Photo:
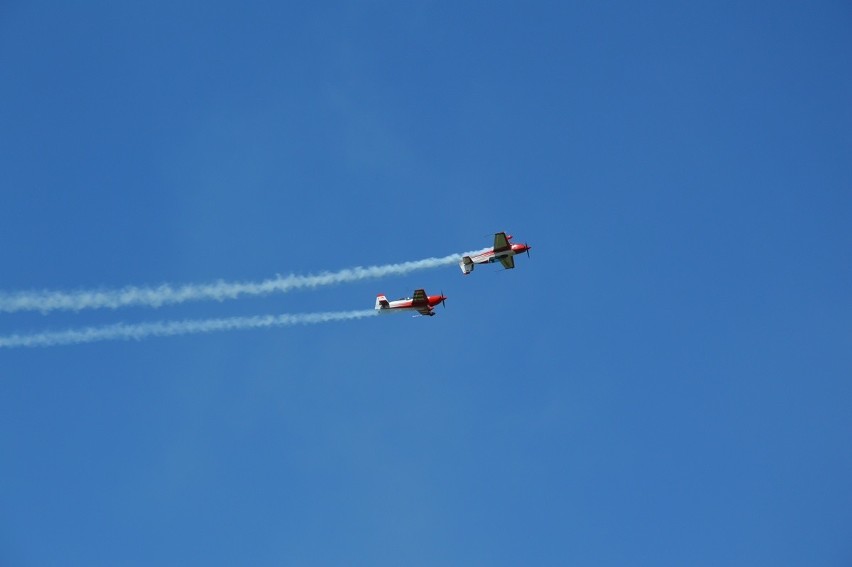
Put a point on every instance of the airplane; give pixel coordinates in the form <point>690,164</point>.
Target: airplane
<point>502,252</point>
<point>421,303</point>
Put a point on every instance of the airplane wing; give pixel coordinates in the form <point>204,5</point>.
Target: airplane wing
<point>508,262</point>
<point>425,310</point>
<point>419,298</point>
<point>500,242</point>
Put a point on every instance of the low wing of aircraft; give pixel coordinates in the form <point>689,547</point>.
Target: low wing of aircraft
<point>420,302</point>
<point>501,242</point>
<point>503,251</point>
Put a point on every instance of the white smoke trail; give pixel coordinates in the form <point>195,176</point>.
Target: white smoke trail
<point>46,301</point>
<point>139,331</point>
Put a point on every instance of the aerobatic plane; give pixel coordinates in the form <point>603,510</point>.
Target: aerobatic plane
<point>502,251</point>
<point>422,303</point>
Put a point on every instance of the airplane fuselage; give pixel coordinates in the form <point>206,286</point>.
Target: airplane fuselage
<point>502,251</point>
<point>399,309</point>
<point>488,256</point>
<point>423,305</point>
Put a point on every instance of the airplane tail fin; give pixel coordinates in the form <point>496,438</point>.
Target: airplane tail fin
<point>466,265</point>
<point>382,302</point>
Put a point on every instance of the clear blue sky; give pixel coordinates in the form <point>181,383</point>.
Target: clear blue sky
<point>666,381</point>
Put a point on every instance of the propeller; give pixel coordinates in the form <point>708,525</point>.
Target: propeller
<point>528,249</point>
<point>443,299</point>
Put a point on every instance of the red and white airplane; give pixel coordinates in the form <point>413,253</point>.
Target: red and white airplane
<point>502,252</point>
<point>422,303</point>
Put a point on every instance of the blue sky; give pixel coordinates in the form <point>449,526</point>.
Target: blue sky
<point>666,381</point>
